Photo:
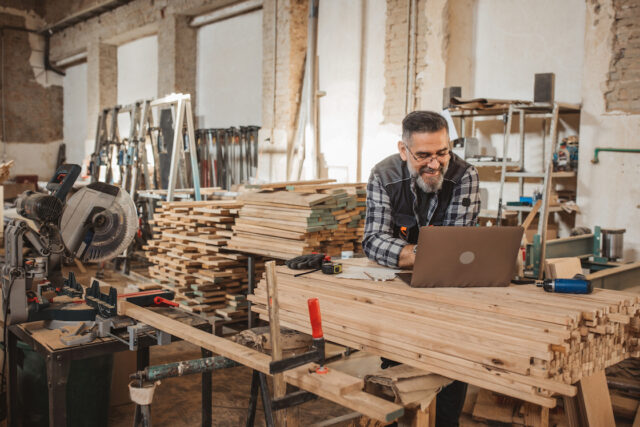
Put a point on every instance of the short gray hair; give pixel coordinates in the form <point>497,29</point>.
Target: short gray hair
<point>422,121</point>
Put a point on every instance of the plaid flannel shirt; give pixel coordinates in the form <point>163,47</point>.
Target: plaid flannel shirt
<point>380,245</point>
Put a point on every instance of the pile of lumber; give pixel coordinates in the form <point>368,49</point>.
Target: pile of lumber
<point>5,170</point>
<point>517,340</point>
<point>301,219</point>
<point>188,256</point>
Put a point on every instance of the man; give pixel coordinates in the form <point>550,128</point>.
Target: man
<point>424,184</point>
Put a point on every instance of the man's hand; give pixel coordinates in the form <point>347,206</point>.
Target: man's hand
<point>407,258</point>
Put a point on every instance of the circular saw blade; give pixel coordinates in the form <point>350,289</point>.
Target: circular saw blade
<point>112,238</point>
<point>113,232</point>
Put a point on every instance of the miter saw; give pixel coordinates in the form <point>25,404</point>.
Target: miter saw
<point>96,224</point>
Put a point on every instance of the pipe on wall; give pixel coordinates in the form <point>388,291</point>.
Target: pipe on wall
<point>362,86</point>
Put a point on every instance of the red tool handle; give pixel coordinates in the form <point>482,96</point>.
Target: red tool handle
<point>160,300</point>
<point>314,316</point>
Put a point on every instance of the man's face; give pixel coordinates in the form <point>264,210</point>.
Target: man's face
<point>427,156</point>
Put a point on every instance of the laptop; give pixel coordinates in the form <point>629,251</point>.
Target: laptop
<point>465,257</point>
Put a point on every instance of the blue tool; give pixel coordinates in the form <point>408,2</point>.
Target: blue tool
<point>577,285</point>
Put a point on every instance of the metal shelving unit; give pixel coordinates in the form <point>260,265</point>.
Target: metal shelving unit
<point>550,111</point>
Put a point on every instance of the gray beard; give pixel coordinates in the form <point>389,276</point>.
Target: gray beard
<point>431,185</point>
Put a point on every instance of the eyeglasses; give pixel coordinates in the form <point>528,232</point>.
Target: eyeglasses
<point>440,156</point>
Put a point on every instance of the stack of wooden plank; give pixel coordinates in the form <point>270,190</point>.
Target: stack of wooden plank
<point>302,219</point>
<point>189,257</point>
<point>517,340</point>
<point>349,215</point>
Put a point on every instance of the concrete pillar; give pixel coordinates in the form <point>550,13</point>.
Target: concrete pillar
<point>177,52</point>
<point>284,24</point>
<point>432,44</point>
<point>102,82</point>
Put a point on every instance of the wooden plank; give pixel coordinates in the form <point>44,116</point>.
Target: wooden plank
<point>595,402</point>
<point>279,386</point>
<point>334,332</point>
<point>430,334</point>
<point>614,270</point>
<point>221,346</point>
<point>285,198</point>
<point>562,268</point>
<point>487,380</point>
<point>636,420</point>
<point>467,297</point>
<point>284,184</point>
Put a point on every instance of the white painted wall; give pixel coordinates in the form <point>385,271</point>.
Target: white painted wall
<point>380,139</point>
<point>339,70</point>
<point>33,158</point>
<point>339,67</point>
<point>137,75</point>
<point>495,49</point>
<point>516,39</point>
<point>229,73</point>
<point>608,192</point>
<point>75,114</point>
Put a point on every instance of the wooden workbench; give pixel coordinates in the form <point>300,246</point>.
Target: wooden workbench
<point>59,356</point>
<point>519,341</point>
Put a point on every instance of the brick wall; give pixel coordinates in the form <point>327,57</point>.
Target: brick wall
<point>397,57</point>
<point>395,60</point>
<point>32,98</point>
<point>623,86</point>
<point>126,23</point>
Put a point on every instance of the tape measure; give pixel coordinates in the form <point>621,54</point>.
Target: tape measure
<point>331,268</point>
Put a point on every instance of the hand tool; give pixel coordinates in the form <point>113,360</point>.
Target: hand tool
<point>577,285</point>
<point>317,262</point>
<point>331,268</point>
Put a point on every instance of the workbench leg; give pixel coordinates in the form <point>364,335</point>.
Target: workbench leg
<point>207,395</point>
<point>259,384</point>
<point>544,416</point>
<point>57,375</point>
<point>12,384</point>
<point>142,416</point>
<point>266,400</point>
<point>251,281</point>
<point>415,417</point>
<point>217,328</point>
<point>253,400</point>
<point>432,412</point>
<point>571,411</point>
<point>142,358</point>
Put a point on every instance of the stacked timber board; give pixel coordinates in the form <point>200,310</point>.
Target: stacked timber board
<point>310,218</point>
<point>517,340</point>
<point>189,257</point>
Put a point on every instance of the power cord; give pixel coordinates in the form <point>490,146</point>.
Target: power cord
<point>5,305</point>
